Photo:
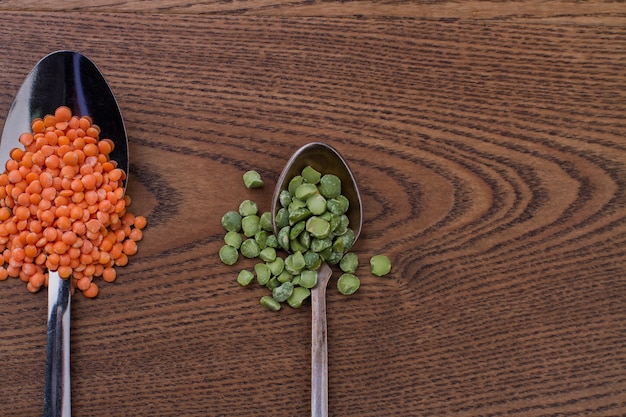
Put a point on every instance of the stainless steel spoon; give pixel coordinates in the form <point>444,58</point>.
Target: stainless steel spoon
<point>326,160</point>
<point>63,78</point>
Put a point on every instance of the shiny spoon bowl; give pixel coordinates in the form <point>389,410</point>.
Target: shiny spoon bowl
<point>326,160</point>
<point>63,78</point>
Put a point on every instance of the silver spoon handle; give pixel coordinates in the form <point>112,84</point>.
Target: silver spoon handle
<point>319,345</point>
<point>57,398</point>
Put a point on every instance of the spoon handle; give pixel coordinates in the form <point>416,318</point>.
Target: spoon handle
<point>57,399</point>
<point>319,345</point>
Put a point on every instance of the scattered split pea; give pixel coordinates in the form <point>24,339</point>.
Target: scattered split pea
<point>313,228</point>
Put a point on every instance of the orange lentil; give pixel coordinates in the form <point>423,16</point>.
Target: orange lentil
<point>74,251</point>
<point>40,141</point>
<point>74,263</point>
<point>18,254</point>
<point>11,227</point>
<point>104,258</point>
<point>38,126</point>
<point>12,165</point>
<point>5,213</point>
<point>52,262</point>
<point>45,178</point>
<point>45,149</point>
<point>90,269</point>
<point>34,186</point>
<point>122,260</point>
<point>114,220</point>
<point>69,238</point>
<point>37,279</point>
<point>52,161</point>
<point>41,259</point>
<point>73,122</point>
<point>93,226</point>
<point>62,211</point>
<point>63,140</point>
<point>27,161</point>
<point>51,138</point>
<point>91,149</point>
<point>65,260</point>
<point>79,228</point>
<point>135,235</point>
<point>31,251</point>
<point>84,123</point>
<point>79,140</point>
<point>69,172</point>
<point>70,158</point>
<point>14,176</point>
<point>83,283</point>
<point>103,217</point>
<point>49,120</point>
<point>59,247</point>
<point>13,271</point>
<point>65,271</point>
<point>116,174</point>
<point>116,250</point>
<point>92,291</point>
<point>76,212</point>
<point>63,208</point>
<point>48,193</point>
<point>15,190</point>
<point>130,247</point>
<point>89,181</point>
<point>21,225</point>
<point>99,269</point>
<point>78,196</point>
<point>56,180</point>
<point>23,200</point>
<point>63,114</point>
<point>26,138</point>
<point>92,132</point>
<point>22,212</point>
<point>64,223</point>
<point>30,238</point>
<point>109,274</point>
<point>105,147</point>
<point>17,154</point>
<point>106,245</point>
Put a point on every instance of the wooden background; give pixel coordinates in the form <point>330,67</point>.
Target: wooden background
<point>488,139</point>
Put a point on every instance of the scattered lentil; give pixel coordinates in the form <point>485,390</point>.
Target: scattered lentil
<point>63,208</point>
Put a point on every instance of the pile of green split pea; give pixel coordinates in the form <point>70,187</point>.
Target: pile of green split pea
<point>313,228</point>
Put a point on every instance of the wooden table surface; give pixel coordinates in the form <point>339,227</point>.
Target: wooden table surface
<point>488,140</point>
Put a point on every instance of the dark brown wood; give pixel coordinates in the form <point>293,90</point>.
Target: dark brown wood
<point>492,162</point>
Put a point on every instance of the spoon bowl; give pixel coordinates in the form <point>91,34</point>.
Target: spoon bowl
<point>63,78</point>
<point>325,159</point>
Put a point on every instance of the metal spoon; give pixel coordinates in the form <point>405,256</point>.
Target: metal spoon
<point>63,78</point>
<point>327,160</point>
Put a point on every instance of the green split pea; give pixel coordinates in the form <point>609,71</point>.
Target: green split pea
<point>313,228</point>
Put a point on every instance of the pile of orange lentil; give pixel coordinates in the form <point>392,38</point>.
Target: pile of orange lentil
<point>63,206</point>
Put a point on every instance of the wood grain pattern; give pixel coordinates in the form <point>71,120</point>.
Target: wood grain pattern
<point>570,11</point>
<point>492,161</point>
